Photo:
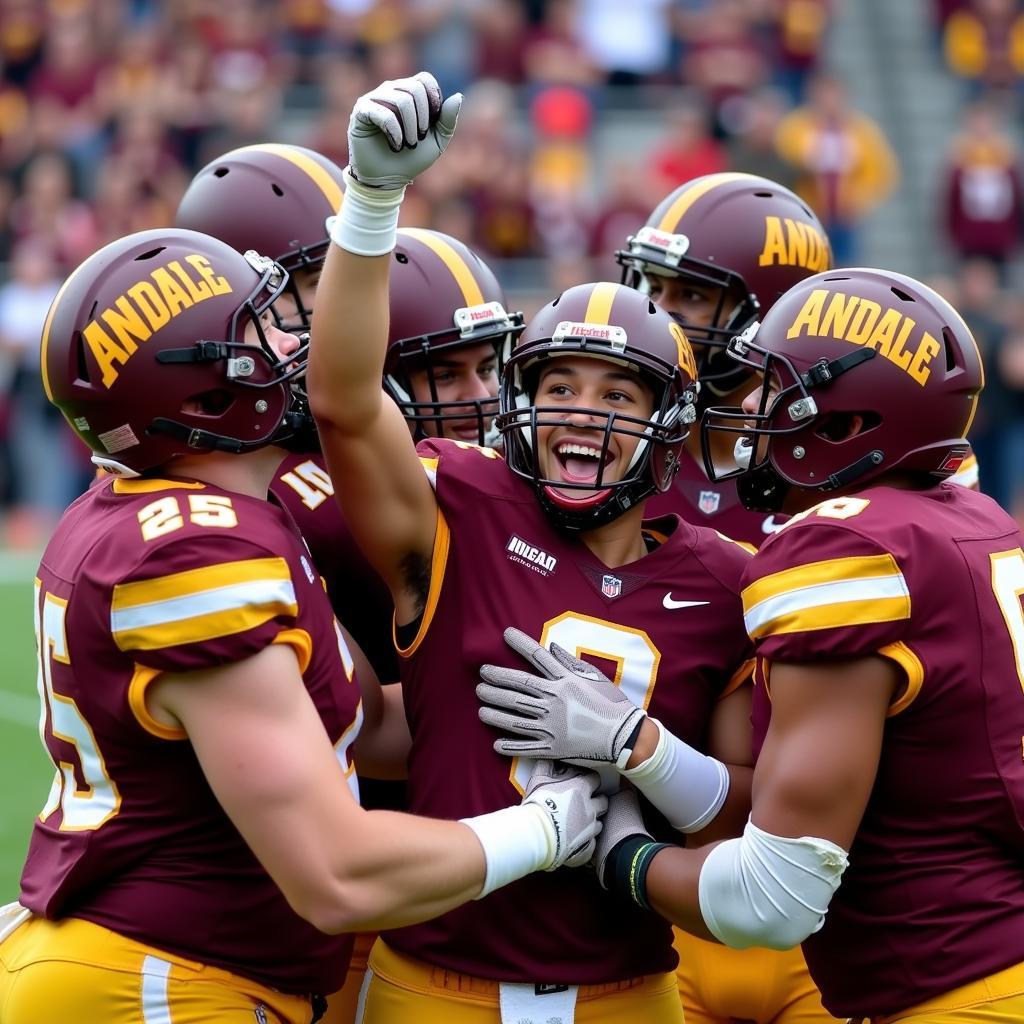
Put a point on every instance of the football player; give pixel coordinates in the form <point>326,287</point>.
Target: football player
<point>202,847</point>
<point>448,333</point>
<point>888,715</point>
<point>716,254</point>
<point>596,401</point>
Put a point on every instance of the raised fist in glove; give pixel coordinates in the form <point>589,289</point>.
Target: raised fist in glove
<point>399,129</point>
<point>566,711</point>
<point>568,796</point>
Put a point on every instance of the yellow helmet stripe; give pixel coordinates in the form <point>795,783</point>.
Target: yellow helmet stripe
<point>690,195</point>
<point>44,344</point>
<point>453,261</point>
<point>599,308</point>
<point>331,189</point>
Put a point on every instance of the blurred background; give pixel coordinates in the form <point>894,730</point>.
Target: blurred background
<point>899,121</point>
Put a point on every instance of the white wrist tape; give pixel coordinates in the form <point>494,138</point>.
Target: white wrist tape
<point>516,842</point>
<point>764,890</point>
<point>367,221</point>
<point>688,787</point>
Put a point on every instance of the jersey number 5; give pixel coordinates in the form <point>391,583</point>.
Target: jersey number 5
<point>86,806</point>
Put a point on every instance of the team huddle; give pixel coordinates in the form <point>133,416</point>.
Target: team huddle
<point>704,676</point>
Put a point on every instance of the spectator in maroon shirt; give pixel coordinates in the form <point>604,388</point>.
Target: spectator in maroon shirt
<point>984,196</point>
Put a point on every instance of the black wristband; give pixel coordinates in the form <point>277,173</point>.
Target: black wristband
<point>625,868</point>
<point>634,735</point>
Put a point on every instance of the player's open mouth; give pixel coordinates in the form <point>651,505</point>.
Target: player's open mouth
<point>579,462</point>
<point>466,431</point>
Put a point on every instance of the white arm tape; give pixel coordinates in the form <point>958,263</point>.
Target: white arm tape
<point>764,890</point>
<point>516,842</point>
<point>688,787</point>
<point>367,221</point>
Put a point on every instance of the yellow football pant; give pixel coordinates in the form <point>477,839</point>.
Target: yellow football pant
<point>341,1007</point>
<point>59,972</point>
<point>718,985</point>
<point>401,990</point>
<point>997,999</point>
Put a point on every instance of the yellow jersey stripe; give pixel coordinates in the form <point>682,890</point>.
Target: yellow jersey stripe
<point>453,261</point>
<point>243,610</point>
<point>141,485</point>
<point>430,468</point>
<point>914,668</point>
<point>599,308</point>
<point>689,196</point>
<point>833,570</point>
<point>196,582</point>
<point>826,595</point>
<point>836,615</point>
<point>331,189</point>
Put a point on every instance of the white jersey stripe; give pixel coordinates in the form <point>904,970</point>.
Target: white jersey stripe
<point>155,1007</point>
<point>822,595</point>
<point>250,594</point>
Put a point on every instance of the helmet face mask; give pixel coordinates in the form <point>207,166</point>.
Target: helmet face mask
<point>867,372</point>
<point>448,316</point>
<point>145,352</point>
<point>636,337</point>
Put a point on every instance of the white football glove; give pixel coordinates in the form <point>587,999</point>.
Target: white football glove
<point>568,796</point>
<point>622,820</point>
<point>399,129</point>
<point>569,712</point>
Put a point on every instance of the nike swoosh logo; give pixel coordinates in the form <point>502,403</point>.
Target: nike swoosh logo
<point>669,603</point>
<point>769,526</point>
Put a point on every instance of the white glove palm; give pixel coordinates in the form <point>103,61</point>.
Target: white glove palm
<point>570,712</point>
<point>399,129</point>
<point>568,796</point>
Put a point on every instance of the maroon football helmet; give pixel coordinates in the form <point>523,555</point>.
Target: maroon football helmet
<point>746,237</point>
<point>143,352</point>
<point>851,345</point>
<point>273,198</point>
<point>611,322</point>
<point>444,299</point>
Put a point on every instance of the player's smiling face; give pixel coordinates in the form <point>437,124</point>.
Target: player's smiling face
<point>588,390</point>
<point>460,375</point>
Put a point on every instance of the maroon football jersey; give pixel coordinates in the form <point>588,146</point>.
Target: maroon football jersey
<point>360,597</point>
<point>934,894</point>
<point>703,503</point>
<point>150,576</point>
<point>668,628</point>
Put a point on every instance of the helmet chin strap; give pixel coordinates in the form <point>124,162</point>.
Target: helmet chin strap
<point>206,441</point>
<point>762,489</point>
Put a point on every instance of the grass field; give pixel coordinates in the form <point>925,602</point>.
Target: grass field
<point>24,767</point>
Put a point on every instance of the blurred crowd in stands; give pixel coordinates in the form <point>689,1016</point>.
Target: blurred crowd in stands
<point>107,108</point>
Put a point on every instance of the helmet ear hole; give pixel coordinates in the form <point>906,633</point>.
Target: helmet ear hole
<point>841,426</point>
<point>208,403</point>
<point>951,350</point>
<point>82,364</point>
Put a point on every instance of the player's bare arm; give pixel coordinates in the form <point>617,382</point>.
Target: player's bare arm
<point>382,748</point>
<point>396,131</point>
<point>342,868</point>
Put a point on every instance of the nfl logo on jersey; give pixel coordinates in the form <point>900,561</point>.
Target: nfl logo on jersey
<point>708,502</point>
<point>611,586</point>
